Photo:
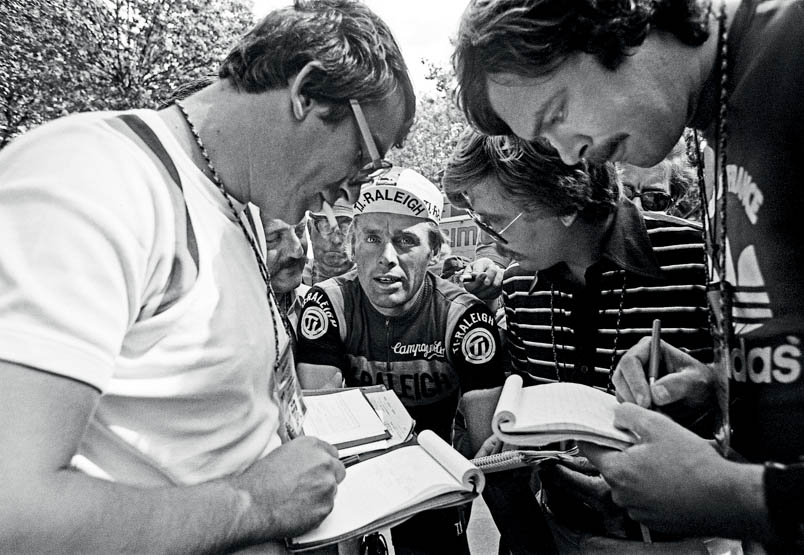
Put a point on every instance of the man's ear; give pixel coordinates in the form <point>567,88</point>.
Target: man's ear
<point>434,254</point>
<point>568,219</point>
<point>302,105</point>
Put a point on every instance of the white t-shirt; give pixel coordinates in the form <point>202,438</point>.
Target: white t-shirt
<point>90,230</point>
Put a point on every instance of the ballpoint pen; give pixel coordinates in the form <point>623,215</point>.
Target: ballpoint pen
<point>653,373</point>
<point>655,352</point>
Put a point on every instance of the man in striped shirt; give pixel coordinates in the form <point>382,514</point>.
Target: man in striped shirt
<point>590,273</point>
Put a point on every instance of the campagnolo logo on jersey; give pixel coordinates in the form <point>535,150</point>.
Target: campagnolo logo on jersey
<point>317,318</point>
<point>778,361</point>
<point>426,350</point>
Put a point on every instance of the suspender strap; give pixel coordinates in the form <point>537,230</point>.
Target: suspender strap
<point>147,135</point>
<point>141,134</point>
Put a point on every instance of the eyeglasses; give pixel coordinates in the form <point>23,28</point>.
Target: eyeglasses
<point>485,226</point>
<point>323,226</point>
<point>378,165</point>
<point>653,200</point>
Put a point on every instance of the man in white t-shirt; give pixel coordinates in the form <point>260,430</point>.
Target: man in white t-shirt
<point>148,394</point>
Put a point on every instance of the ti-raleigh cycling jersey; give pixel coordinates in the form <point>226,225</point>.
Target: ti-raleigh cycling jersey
<point>445,345</point>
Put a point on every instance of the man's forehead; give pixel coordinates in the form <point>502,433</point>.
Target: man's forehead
<point>486,198</point>
<point>644,178</point>
<point>520,101</point>
<point>273,225</point>
<point>377,221</point>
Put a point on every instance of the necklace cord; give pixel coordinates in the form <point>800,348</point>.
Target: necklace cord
<point>715,234</point>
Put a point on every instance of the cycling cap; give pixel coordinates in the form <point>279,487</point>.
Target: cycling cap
<point>342,207</point>
<point>401,191</point>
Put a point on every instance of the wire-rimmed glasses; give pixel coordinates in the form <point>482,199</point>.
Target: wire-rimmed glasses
<point>378,165</point>
<point>487,227</point>
<point>324,227</point>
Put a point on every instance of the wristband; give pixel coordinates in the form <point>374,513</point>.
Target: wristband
<point>784,498</point>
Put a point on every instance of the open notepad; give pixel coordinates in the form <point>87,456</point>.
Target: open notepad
<point>357,420</point>
<point>390,488</point>
<point>542,414</point>
<point>345,418</point>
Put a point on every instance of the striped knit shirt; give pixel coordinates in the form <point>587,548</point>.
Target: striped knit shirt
<point>652,267</point>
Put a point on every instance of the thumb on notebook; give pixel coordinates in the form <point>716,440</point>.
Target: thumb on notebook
<point>638,420</point>
<point>491,446</point>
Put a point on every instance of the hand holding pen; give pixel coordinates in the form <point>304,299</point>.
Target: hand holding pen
<point>653,374</point>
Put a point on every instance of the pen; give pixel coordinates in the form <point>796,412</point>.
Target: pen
<point>655,352</point>
<point>653,373</point>
<point>350,460</point>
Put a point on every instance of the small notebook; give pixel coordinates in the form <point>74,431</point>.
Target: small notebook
<point>345,418</point>
<point>548,413</point>
<point>390,488</point>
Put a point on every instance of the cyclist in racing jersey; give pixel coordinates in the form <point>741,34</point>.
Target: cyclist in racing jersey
<point>392,322</point>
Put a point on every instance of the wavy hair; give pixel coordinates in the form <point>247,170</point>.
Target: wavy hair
<point>532,38</point>
<point>530,174</point>
<point>358,55</point>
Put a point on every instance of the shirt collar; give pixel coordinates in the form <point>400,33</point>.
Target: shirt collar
<point>626,246</point>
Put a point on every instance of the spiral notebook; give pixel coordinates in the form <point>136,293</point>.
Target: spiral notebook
<point>519,458</point>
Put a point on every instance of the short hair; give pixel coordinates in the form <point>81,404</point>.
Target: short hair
<point>531,174</point>
<point>186,89</point>
<point>532,38</point>
<point>358,55</point>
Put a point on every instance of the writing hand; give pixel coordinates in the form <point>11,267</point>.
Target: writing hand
<point>687,380</point>
<point>293,488</point>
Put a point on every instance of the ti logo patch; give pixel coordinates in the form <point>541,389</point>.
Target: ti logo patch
<point>478,346</point>
<point>314,322</point>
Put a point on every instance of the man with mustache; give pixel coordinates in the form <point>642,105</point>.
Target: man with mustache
<point>286,256</point>
<point>392,322</point>
<point>620,81</point>
<point>589,273</point>
<point>148,386</point>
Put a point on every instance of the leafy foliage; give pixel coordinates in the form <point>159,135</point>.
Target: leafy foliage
<point>63,56</point>
<point>438,125</point>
